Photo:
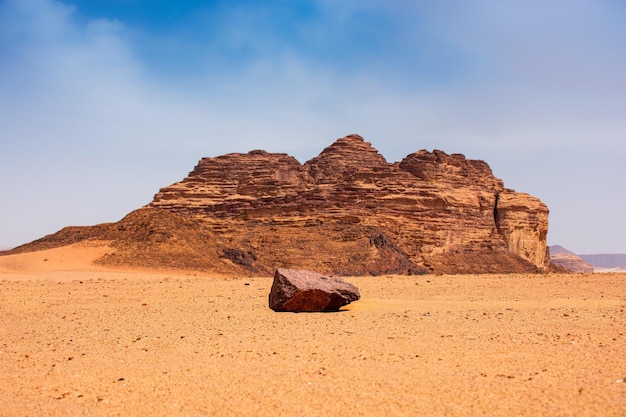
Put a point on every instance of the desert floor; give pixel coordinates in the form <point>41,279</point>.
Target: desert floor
<point>81,340</point>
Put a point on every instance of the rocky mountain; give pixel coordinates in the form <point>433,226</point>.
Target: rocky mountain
<point>569,260</point>
<point>347,211</point>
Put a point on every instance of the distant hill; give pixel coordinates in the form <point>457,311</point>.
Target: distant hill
<point>563,257</point>
<point>614,260</point>
<point>569,260</point>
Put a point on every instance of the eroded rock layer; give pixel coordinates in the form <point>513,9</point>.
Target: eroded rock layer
<point>347,211</point>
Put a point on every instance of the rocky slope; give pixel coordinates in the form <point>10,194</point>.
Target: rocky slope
<point>347,211</point>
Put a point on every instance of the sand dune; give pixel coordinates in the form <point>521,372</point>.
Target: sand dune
<point>77,257</point>
<point>80,340</point>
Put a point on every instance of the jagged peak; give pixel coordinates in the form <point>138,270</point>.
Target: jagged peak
<point>351,141</point>
<point>450,168</point>
<point>353,137</point>
<point>348,154</point>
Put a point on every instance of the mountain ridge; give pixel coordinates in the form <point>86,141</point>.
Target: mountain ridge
<point>346,211</point>
<point>606,260</point>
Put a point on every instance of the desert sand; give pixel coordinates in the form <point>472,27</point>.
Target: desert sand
<point>76,339</point>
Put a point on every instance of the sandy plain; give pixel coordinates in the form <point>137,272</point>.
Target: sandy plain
<point>81,340</point>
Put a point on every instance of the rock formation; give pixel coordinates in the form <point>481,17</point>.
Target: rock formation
<point>307,291</point>
<point>347,212</point>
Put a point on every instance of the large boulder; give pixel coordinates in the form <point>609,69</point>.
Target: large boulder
<point>307,291</point>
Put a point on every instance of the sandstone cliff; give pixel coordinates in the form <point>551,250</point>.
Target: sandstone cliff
<point>347,211</point>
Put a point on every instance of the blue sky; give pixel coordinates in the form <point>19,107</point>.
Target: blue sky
<point>104,102</point>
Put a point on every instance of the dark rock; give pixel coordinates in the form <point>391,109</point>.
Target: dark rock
<point>298,291</point>
<point>239,257</point>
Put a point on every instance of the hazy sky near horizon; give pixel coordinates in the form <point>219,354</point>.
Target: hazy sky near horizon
<point>104,102</point>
